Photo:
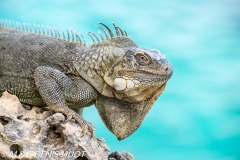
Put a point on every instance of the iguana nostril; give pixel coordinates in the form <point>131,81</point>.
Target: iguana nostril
<point>166,69</point>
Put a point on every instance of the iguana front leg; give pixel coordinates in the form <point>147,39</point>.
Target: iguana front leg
<point>57,90</point>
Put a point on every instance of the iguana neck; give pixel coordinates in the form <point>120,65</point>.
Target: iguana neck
<point>95,62</point>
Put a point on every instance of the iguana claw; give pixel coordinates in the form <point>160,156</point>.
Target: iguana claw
<point>86,126</point>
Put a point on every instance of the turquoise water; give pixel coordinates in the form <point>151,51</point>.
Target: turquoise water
<point>198,116</point>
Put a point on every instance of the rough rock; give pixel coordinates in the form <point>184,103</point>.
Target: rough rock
<point>38,134</point>
<point>120,156</point>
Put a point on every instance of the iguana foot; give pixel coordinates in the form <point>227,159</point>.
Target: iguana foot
<point>86,126</point>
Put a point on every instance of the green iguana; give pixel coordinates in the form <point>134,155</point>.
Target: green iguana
<point>43,67</point>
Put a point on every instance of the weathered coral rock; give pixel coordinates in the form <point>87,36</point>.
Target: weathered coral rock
<point>38,134</point>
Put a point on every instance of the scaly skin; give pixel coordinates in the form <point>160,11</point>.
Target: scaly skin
<point>122,80</point>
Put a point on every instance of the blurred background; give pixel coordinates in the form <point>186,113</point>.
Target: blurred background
<point>198,116</point>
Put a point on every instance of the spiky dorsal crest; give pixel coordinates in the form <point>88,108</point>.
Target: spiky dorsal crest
<point>121,39</point>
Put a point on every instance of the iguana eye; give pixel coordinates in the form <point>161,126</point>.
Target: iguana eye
<point>142,58</point>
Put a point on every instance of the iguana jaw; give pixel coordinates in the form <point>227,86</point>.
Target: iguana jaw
<point>136,86</point>
<point>127,82</point>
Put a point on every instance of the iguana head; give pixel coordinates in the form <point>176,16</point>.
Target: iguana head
<point>139,74</point>
<point>137,78</point>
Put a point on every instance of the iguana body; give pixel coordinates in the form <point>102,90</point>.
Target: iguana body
<point>122,80</point>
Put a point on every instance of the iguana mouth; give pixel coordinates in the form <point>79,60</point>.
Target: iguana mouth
<point>149,72</point>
